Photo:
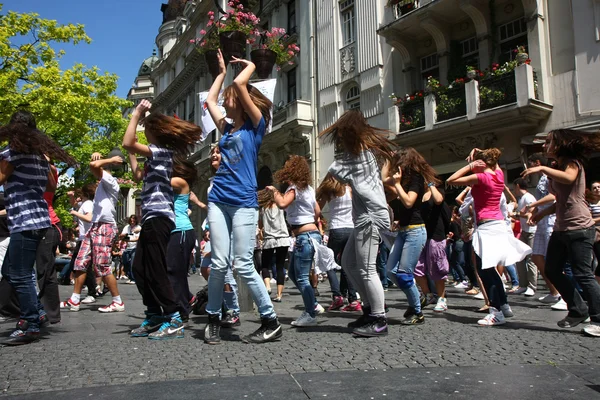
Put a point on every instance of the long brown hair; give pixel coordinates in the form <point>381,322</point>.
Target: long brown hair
<point>173,133</point>
<point>259,100</point>
<point>24,137</point>
<point>330,188</point>
<point>352,133</point>
<point>266,199</point>
<point>489,156</point>
<point>575,145</point>
<point>184,169</point>
<point>295,171</point>
<point>412,162</point>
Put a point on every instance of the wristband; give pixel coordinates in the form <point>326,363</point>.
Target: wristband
<point>430,184</point>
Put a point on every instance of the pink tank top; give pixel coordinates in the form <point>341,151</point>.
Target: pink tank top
<point>486,195</point>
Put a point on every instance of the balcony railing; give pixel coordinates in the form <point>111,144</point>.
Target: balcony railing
<point>451,104</point>
<point>412,114</point>
<point>497,91</point>
<point>403,7</point>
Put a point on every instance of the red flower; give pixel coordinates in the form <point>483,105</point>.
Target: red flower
<point>412,97</point>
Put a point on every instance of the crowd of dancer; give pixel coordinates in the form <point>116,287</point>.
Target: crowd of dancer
<point>389,224</point>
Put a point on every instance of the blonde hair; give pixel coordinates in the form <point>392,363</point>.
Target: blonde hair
<point>489,156</point>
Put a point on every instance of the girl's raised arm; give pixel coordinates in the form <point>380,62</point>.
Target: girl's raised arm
<point>212,100</point>
<point>240,84</point>
<point>130,142</point>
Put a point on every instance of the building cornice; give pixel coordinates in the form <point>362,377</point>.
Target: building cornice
<point>194,66</point>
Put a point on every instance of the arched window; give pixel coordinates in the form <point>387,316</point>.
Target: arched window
<point>353,98</point>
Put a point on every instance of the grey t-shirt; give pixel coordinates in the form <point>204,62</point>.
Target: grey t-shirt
<point>368,198</point>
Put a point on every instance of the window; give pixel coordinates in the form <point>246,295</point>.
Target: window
<point>291,85</point>
<point>353,98</point>
<point>512,35</point>
<point>348,21</point>
<point>470,51</point>
<point>430,67</point>
<point>292,17</point>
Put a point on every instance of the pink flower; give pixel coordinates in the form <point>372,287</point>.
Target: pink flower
<point>291,53</point>
<point>192,40</point>
<point>210,23</point>
<point>202,32</point>
<point>211,14</point>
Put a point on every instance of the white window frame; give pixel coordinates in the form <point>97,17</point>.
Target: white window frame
<point>434,59</point>
<point>347,22</point>
<point>517,23</point>
<point>353,98</point>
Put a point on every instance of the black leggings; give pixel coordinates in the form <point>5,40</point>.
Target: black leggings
<point>267,260</point>
<point>493,284</point>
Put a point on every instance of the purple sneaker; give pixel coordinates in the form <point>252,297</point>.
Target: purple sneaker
<point>375,326</point>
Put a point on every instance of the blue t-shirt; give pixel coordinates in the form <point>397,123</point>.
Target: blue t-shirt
<point>182,220</point>
<point>157,193</point>
<point>24,189</point>
<point>235,181</point>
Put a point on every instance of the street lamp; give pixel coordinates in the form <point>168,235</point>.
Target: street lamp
<point>116,151</point>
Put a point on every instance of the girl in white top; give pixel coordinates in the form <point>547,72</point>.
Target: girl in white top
<point>302,214</point>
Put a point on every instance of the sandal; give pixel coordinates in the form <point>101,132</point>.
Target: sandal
<point>472,291</point>
<point>276,299</point>
<point>484,309</point>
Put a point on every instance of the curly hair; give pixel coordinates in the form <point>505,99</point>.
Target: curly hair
<point>575,145</point>
<point>412,162</point>
<point>184,169</point>
<point>266,199</point>
<point>330,188</point>
<point>489,156</point>
<point>353,134</point>
<point>173,133</point>
<point>295,171</point>
<point>23,137</point>
<point>259,99</point>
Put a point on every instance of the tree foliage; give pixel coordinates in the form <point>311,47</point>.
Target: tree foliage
<point>77,107</point>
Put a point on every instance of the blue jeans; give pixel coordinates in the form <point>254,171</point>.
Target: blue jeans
<point>232,238</point>
<point>127,258</point>
<point>403,259</point>
<point>382,259</point>
<point>230,299</point>
<point>512,272</point>
<point>337,242</point>
<point>17,269</point>
<point>457,260</point>
<point>300,265</point>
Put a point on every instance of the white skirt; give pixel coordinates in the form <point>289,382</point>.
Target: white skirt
<point>495,245</point>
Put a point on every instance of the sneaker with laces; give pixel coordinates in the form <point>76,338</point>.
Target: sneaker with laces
<point>560,306</point>
<point>304,320</point>
<point>336,304</point>
<point>362,319</point>
<point>88,300</point>
<point>172,329</point>
<point>462,285</point>
<point>494,318</point>
<point>269,331</point>
<point>593,329</point>
<point>517,290</point>
<point>549,299</point>
<point>319,309</point>
<point>113,307</point>
<point>529,292</point>
<point>441,305</point>
<point>230,320</point>
<point>20,337</point>
<point>570,322</point>
<point>151,323</point>
<point>413,319</point>
<point>352,307</point>
<point>212,331</point>
<point>507,311</point>
<point>70,305</point>
<point>375,326</point>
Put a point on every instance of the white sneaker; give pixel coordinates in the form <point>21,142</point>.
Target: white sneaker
<point>112,307</point>
<point>529,292</point>
<point>88,300</point>
<point>518,290</point>
<point>318,309</point>
<point>462,285</point>
<point>494,318</point>
<point>441,305</point>
<point>305,320</point>
<point>549,299</point>
<point>273,281</point>
<point>593,329</point>
<point>560,306</point>
<point>84,289</point>
<point>479,296</point>
<point>506,311</point>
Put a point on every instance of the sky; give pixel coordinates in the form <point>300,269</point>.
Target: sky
<point>122,32</point>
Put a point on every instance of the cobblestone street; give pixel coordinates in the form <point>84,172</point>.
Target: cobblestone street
<point>91,349</point>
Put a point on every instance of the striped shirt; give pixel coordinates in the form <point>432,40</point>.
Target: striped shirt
<point>595,210</point>
<point>24,189</point>
<point>157,193</point>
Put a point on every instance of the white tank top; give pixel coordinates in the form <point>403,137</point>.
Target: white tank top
<point>340,211</point>
<point>302,209</point>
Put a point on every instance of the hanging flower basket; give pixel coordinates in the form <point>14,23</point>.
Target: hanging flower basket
<point>233,44</point>
<point>212,61</point>
<point>264,59</point>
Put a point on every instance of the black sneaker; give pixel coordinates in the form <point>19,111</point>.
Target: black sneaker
<point>362,319</point>
<point>212,331</point>
<point>20,337</point>
<point>44,320</point>
<point>230,321</point>
<point>269,331</point>
<point>375,326</point>
<point>409,312</point>
<point>169,330</point>
<point>414,319</point>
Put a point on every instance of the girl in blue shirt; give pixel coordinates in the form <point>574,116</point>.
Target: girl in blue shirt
<point>233,203</point>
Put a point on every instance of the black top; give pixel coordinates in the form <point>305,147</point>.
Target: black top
<point>410,216</point>
<point>3,219</point>
<point>437,219</point>
<point>456,231</point>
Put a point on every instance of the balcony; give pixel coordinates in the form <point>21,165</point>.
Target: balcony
<point>499,101</point>
<point>291,115</point>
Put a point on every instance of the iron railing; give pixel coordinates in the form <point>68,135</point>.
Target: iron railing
<point>451,103</point>
<point>412,115</point>
<point>497,91</point>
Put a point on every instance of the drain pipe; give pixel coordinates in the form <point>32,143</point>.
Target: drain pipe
<point>314,94</point>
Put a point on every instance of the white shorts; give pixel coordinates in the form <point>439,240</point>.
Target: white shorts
<point>540,242</point>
